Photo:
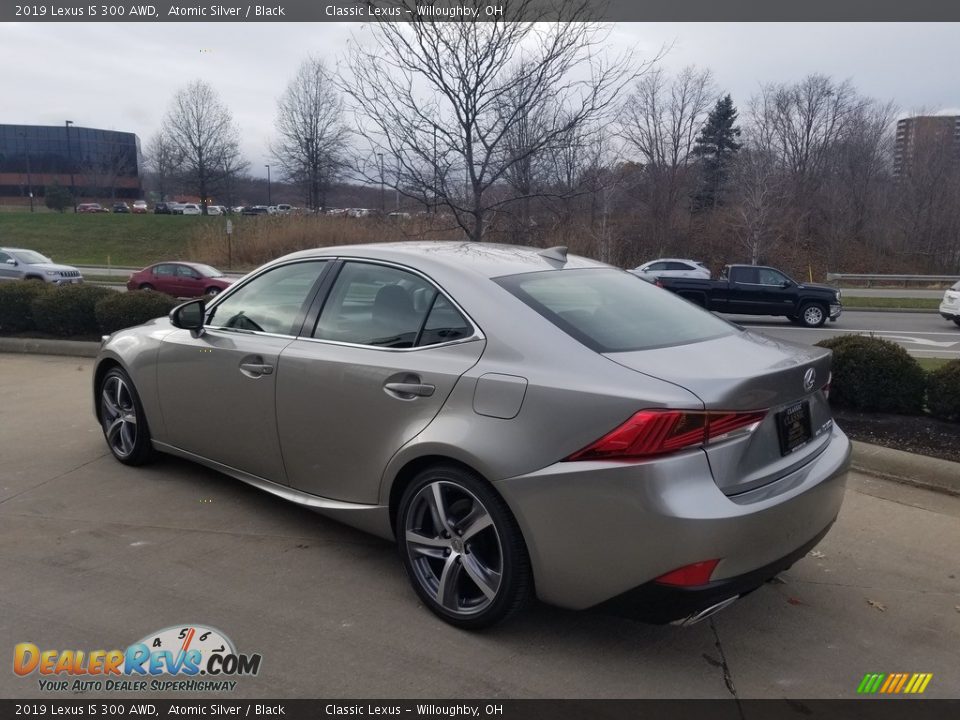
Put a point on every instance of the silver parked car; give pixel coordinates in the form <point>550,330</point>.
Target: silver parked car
<point>20,264</point>
<point>521,421</point>
<point>671,267</point>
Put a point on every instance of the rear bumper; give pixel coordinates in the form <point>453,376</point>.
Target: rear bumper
<point>596,530</point>
<point>662,604</point>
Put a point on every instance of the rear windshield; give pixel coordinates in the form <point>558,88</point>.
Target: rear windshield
<point>613,311</point>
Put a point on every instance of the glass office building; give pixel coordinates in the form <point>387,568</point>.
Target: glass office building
<point>97,164</point>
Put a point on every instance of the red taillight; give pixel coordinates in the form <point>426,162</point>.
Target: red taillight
<point>692,575</point>
<point>657,432</point>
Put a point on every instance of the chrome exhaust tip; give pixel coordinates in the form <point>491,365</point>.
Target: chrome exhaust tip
<point>705,613</point>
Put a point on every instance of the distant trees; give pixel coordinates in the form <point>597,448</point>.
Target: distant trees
<point>202,134</point>
<point>311,132</point>
<point>716,147</point>
<point>164,160</point>
<point>461,107</point>
<point>57,197</point>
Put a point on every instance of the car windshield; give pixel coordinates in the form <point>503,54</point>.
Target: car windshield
<point>30,257</point>
<point>207,270</point>
<point>613,311</point>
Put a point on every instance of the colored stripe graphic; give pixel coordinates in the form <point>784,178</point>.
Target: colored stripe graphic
<point>894,683</point>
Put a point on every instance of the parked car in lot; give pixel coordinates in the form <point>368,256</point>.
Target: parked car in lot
<point>91,208</point>
<point>139,207</point>
<point>255,210</point>
<point>22,264</point>
<point>950,307</point>
<point>759,290</point>
<point>163,208</point>
<point>671,267</point>
<point>190,209</point>
<point>121,207</point>
<point>180,279</point>
<point>532,422</point>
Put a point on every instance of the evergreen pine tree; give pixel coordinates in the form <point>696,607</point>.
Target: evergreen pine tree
<point>716,146</point>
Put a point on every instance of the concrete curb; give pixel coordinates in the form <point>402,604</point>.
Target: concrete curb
<point>36,346</point>
<point>920,470</point>
<point>891,310</point>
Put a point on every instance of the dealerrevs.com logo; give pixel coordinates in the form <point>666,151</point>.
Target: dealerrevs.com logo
<point>181,658</point>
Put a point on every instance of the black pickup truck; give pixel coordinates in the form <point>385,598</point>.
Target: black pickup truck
<point>759,290</point>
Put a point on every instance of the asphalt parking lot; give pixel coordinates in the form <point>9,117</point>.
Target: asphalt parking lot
<point>97,555</point>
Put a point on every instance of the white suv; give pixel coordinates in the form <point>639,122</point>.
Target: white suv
<point>950,307</point>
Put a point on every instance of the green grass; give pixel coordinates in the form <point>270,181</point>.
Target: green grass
<point>890,303</point>
<point>133,240</point>
<point>930,364</point>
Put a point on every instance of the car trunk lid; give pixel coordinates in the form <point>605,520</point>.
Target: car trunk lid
<point>746,371</point>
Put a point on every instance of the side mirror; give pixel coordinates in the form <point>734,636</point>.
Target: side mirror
<point>786,284</point>
<point>11,261</point>
<point>190,316</point>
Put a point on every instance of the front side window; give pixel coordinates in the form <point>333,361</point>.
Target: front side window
<point>387,307</point>
<point>186,272</point>
<point>609,311</point>
<point>165,270</point>
<point>769,276</point>
<point>274,302</point>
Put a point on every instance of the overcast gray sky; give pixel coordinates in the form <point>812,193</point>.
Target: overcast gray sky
<point>122,76</point>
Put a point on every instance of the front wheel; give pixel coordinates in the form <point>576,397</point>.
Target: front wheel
<point>813,315</point>
<point>122,419</point>
<point>211,291</point>
<point>462,548</point>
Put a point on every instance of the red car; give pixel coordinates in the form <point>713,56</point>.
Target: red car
<point>180,279</point>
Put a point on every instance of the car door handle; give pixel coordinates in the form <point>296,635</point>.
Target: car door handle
<point>409,390</point>
<point>256,369</point>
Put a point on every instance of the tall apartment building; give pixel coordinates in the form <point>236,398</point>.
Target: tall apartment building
<point>925,133</point>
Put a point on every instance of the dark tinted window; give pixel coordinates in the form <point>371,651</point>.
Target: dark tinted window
<point>769,276</point>
<point>165,270</point>
<point>678,266</point>
<point>613,311</point>
<point>272,302</point>
<point>384,306</point>
<point>186,272</point>
<point>745,275</point>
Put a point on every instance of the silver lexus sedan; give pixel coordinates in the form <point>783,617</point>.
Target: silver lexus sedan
<point>523,422</point>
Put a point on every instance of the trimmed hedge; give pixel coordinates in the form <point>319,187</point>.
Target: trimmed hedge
<point>875,375</point>
<point>943,391</point>
<point>15,301</point>
<point>123,310</point>
<point>69,310</point>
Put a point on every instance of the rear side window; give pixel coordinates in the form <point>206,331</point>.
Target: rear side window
<point>613,311</point>
<point>387,307</point>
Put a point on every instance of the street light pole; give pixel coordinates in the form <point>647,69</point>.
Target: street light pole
<point>26,154</point>
<point>73,192</point>
<point>269,197</point>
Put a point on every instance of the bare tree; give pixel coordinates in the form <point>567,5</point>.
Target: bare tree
<point>758,199</point>
<point>311,131</point>
<point>203,134</point>
<point>433,96</point>
<point>163,160</point>
<point>660,123</point>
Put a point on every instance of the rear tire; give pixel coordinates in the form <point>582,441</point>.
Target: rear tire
<point>462,548</point>
<point>212,291</point>
<point>957,321</point>
<point>122,419</point>
<point>813,315</point>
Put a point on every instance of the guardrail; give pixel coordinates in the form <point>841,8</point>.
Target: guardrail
<point>837,278</point>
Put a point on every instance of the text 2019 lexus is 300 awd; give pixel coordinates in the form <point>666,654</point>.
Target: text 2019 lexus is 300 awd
<point>521,421</point>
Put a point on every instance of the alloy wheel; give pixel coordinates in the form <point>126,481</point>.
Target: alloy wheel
<point>118,415</point>
<point>454,548</point>
<point>813,315</point>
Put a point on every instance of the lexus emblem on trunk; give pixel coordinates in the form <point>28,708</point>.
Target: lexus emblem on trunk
<point>809,378</point>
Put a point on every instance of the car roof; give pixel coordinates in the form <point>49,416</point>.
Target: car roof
<point>177,262</point>
<point>454,257</point>
<point>16,249</point>
<point>686,260</point>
